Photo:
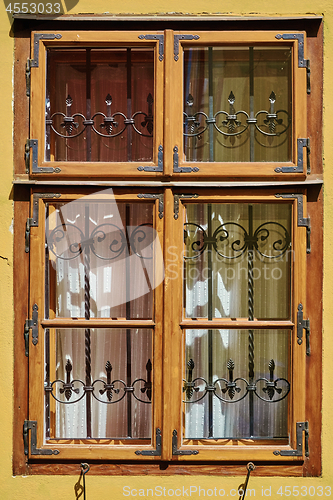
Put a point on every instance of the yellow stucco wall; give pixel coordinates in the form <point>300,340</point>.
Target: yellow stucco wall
<point>58,487</point>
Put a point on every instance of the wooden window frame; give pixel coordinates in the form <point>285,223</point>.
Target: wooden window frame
<point>80,170</point>
<point>168,108</point>
<point>176,324</point>
<point>242,170</point>
<point>310,466</point>
<point>88,448</point>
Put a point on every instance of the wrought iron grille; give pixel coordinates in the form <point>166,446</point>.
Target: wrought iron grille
<point>75,124</point>
<point>232,122</point>
<point>84,243</point>
<point>230,241</point>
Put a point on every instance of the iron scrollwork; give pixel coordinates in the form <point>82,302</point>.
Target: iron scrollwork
<point>195,124</point>
<point>114,241</point>
<point>231,241</point>
<point>226,389</point>
<point>113,124</point>
<point>113,391</point>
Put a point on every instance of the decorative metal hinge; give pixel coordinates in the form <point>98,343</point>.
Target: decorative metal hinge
<point>155,196</point>
<point>300,428</point>
<point>303,324</point>
<point>32,425</point>
<point>176,202</point>
<point>160,39</point>
<point>33,144</point>
<point>33,221</point>
<point>176,43</point>
<point>301,221</point>
<point>159,167</point>
<point>153,453</point>
<point>33,325</point>
<point>302,63</point>
<point>301,143</point>
<point>176,451</point>
<point>34,62</point>
<point>178,169</point>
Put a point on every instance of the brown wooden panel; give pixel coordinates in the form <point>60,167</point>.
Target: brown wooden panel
<point>21,282</point>
<point>21,101</point>
<point>168,469</point>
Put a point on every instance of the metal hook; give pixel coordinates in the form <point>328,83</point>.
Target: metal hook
<point>250,467</point>
<point>84,469</point>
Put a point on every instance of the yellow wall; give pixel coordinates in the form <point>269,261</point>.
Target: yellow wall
<point>57,487</point>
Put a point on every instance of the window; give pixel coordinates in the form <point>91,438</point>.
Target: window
<point>234,100</point>
<point>168,242</point>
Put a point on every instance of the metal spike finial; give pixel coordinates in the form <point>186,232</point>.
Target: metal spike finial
<point>231,98</point>
<point>69,100</point>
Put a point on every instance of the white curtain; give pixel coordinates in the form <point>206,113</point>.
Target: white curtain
<point>227,275</point>
<point>121,276</point>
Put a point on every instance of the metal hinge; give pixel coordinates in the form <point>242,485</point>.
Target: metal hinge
<point>33,221</point>
<point>301,143</point>
<point>176,168</point>
<point>176,202</point>
<point>302,63</point>
<point>32,425</point>
<point>34,62</point>
<point>33,144</point>
<point>159,167</point>
<point>176,43</point>
<point>303,324</point>
<point>33,325</point>
<point>160,39</point>
<point>176,451</point>
<point>160,197</point>
<point>301,221</point>
<point>300,428</point>
<point>158,451</point>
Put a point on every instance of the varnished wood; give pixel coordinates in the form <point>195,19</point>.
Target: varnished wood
<point>96,323</point>
<point>173,324</point>
<point>218,469</point>
<point>21,280</point>
<point>21,101</point>
<point>38,92</point>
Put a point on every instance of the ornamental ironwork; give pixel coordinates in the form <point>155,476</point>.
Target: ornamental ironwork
<point>231,123</point>
<point>107,241</point>
<point>113,391</point>
<point>226,389</point>
<point>230,241</point>
<point>112,124</point>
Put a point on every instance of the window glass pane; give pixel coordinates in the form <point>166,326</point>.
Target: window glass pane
<point>100,105</point>
<point>220,368</point>
<point>237,104</point>
<point>117,365</point>
<point>237,261</point>
<point>100,260</point>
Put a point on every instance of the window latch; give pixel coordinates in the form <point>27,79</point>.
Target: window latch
<point>303,324</point>
<point>33,325</point>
